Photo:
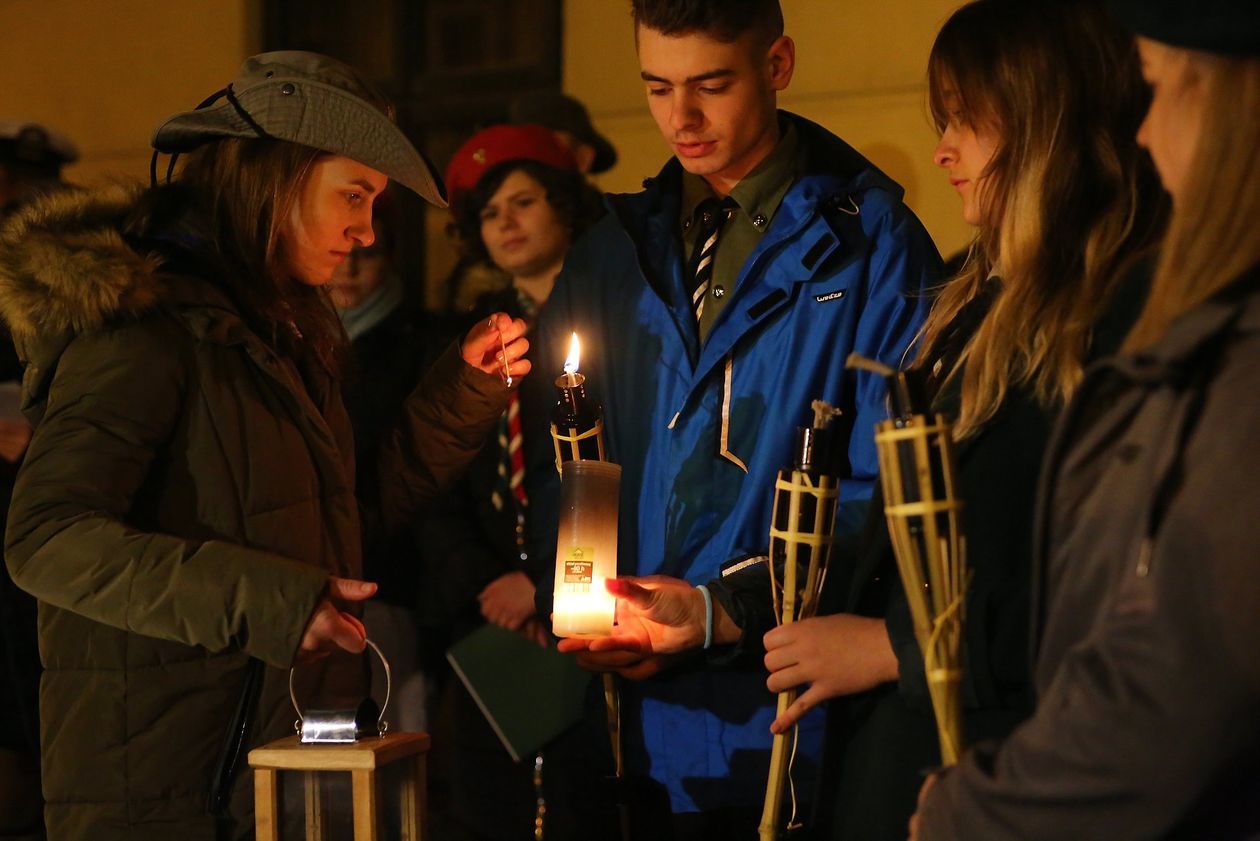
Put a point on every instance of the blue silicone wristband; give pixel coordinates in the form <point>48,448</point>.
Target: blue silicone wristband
<point>708,615</point>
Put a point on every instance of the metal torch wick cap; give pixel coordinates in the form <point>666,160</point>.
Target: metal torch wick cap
<point>567,380</point>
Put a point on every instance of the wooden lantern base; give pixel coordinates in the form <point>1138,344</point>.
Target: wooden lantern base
<point>361,759</point>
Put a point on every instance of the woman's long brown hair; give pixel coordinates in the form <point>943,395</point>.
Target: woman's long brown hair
<point>244,190</point>
<point>1069,200</point>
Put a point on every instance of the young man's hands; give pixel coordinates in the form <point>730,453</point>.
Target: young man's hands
<point>658,620</point>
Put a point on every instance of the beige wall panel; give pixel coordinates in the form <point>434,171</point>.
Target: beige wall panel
<point>861,70</point>
<point>105,71</point>
<point>856,46</point>
<point>600,67</point>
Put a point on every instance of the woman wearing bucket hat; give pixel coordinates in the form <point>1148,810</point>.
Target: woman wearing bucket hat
<point>518,200</point>
<point>186,512</point>
<point>1148,597</point>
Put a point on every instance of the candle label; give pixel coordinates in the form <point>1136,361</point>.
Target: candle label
<point>579,564</point>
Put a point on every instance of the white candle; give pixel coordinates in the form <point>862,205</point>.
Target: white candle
<point>586,549</point>
<point>583,610</point>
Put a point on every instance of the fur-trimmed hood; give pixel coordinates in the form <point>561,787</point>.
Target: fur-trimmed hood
<point>65,266</point>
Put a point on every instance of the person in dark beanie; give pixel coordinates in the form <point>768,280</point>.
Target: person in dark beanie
<point>569,121</point>
<point>186,511</point>
<point>31,158</point>
<point>1147,602</point>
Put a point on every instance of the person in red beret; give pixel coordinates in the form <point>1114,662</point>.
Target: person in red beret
<point>517,201</point>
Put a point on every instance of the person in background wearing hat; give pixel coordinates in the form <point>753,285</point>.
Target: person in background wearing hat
<point>713,307</point>
<point>1148,593</point>
<point>568,120</point>
<point>31,159</point>
<point>186,512</point>
<point>569,124</point>
<point>517,201</point>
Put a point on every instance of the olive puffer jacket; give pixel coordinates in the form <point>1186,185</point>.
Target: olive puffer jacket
<point>184,499</point>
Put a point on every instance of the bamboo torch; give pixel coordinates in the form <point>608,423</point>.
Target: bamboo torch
<point>582,606</point>
<point>921,504</point>
<point>800,545</point>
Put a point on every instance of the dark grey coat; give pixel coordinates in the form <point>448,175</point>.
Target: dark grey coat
<point>1148,604</point>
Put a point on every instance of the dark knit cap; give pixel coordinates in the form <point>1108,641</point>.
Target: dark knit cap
<point>36,145</point>
<point>563,113</point>
<point>1215,26</point>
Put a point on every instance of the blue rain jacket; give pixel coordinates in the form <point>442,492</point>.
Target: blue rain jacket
<point>701,430</point>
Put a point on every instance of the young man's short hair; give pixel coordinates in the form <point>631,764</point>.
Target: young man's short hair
<point>722,20</point>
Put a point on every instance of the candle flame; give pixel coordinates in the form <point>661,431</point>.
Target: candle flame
<point>575,352</point>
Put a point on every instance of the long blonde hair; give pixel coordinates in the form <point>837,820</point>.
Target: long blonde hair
<point>1069,200</point>
<point>1212,238</point>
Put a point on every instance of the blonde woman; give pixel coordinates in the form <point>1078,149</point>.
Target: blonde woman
<point>1148,710</point>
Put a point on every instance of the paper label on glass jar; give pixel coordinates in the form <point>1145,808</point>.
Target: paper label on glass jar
<point>579,563</point>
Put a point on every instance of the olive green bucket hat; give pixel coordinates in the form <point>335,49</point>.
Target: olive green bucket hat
<point>310,99</point>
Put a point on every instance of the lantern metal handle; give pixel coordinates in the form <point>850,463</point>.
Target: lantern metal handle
<point>381,724</point>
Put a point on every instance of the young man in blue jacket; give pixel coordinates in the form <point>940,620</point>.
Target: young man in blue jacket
<point>713,307</point>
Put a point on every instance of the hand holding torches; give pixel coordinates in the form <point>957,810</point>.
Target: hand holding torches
<point>830,656</point>
<point>801,526</point>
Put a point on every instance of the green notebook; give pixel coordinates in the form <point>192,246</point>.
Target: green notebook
<point>529,694</point>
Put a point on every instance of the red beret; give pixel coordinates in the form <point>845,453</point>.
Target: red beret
<point>497,144</point>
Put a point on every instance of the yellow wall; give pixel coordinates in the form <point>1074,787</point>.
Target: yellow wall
<point>104,72</point>
<point>861,71</point>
